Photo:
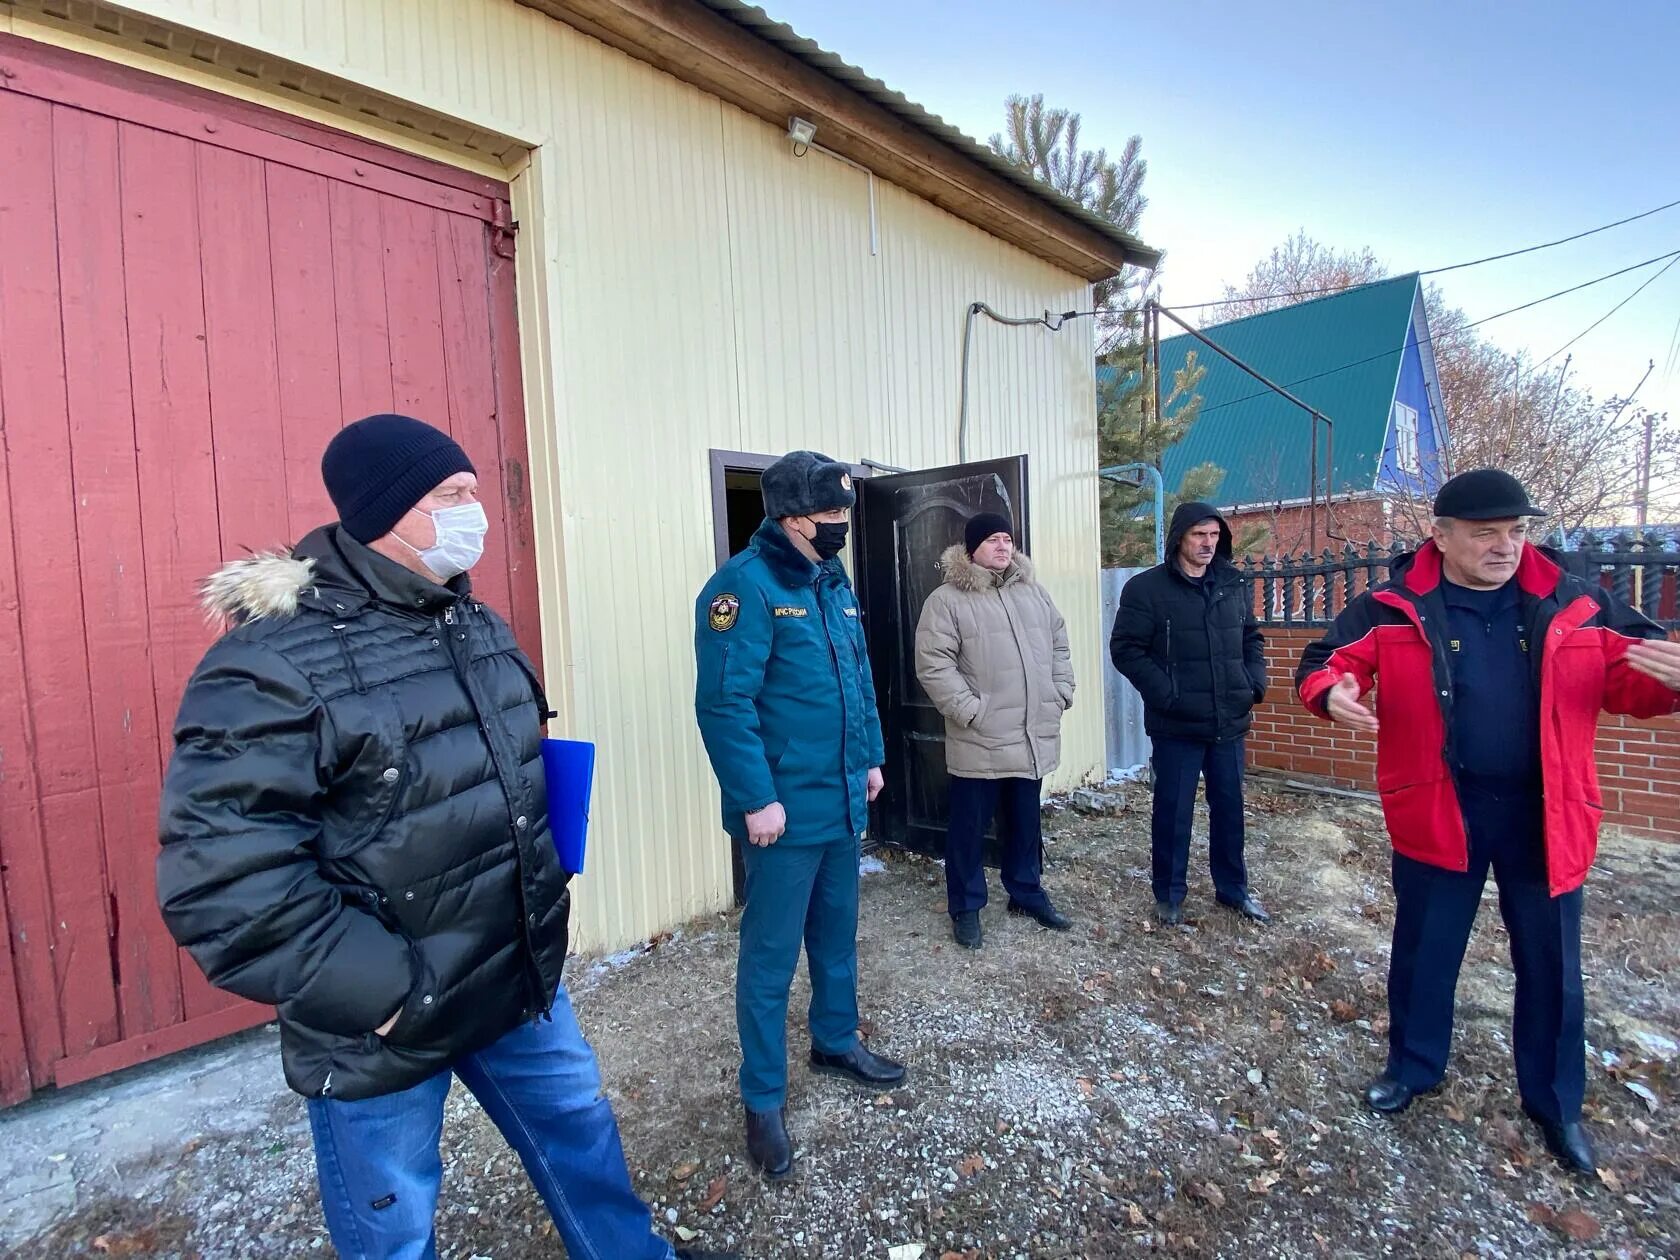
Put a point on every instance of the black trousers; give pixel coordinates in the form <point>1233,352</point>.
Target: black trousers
<point>1179,765</point>
<point>1434,911</point>
<point>1015,803</point>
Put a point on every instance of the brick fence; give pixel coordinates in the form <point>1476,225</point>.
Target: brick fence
<point>1638,762</point>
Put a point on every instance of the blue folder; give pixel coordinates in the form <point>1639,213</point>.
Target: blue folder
<point>569,766</point>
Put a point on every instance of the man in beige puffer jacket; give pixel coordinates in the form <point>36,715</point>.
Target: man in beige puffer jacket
<point>992,654</point>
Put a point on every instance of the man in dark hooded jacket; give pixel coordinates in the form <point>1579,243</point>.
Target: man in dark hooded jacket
<point>355,832</point>
<point>1186,638</point>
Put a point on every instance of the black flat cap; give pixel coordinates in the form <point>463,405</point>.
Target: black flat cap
<point>1484,494</point>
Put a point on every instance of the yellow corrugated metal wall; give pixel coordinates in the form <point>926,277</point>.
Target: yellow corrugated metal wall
<point>689,284</point>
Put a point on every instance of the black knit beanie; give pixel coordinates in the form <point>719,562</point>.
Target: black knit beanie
<point>381,466</point>
<point>982,527</point>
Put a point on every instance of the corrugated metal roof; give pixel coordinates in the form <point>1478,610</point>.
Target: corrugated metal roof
<point>1340,353</point>
<point>835,67</point>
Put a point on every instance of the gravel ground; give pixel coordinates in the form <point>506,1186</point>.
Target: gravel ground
<point>1114,1090</point>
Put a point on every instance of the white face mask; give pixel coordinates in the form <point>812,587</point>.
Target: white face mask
<point>460,540</point>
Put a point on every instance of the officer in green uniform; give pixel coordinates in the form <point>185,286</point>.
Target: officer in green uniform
<point>786,707</point>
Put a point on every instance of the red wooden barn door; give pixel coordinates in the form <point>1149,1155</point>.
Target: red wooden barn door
<point>195,294</point>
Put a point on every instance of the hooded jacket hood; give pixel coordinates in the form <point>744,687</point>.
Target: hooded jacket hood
<point>266,584</point>
<point>1185,518</point>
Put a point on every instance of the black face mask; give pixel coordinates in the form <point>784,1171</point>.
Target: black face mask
<point>829,540</point>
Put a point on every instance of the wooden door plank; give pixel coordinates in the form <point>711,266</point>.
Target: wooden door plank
<point>524,610</point>
<point>29,1034</point>
<point>470,369</point>
<point>411,297</point>
<point>49,589</point>
<point>113,563</point>
<point>239,343</point>
<point>171,393</point>
<point>364,339</point>
<point>15,1083</point>
<point>306,338</point>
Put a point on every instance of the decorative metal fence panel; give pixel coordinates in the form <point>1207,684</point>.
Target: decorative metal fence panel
<point>1310,590</point>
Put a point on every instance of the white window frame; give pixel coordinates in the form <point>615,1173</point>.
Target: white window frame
<point>1406,454</point>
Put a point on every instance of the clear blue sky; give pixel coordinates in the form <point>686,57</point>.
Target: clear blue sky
<point>1433,132</point>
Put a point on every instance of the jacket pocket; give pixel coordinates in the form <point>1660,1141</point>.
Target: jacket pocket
<point>416,1010</point>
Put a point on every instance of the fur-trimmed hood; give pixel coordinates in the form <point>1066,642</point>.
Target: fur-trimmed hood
<point>962,573</point>
<point>329,572</point>
<point>265,584</point>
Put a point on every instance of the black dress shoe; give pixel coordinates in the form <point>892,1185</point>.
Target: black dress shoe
<point>1571,1143</point>
<point>1389,1097</point>
<point>1167,914</point>
<point>768,1144</point>
<point>965,927</point>
<point>1248,908</point>
<point>1046,915</point>
<point>859,1065</point>
<point>688,1253</point>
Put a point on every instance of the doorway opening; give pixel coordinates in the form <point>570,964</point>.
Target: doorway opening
<point>737,512</point>
<point>737,500</point>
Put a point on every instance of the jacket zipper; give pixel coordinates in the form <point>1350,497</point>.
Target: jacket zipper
<point>1207,632</point>
<point>1026,675</point>
<point>834,663</point>
<point>1172,672</point>
<point>463,669</point>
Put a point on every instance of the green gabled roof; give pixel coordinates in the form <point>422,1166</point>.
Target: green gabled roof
<point>1341,353</point>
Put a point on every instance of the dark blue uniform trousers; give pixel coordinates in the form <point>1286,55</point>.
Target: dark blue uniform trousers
<point>1434,912</point>
<point>1179,764</point>
<point>1017,807</point>
<point>796,893</point>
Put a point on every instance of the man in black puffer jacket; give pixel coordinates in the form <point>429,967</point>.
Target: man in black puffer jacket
<point>355,830</point>
<point>1186,638</point>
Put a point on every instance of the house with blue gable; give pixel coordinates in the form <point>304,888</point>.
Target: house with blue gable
<point>1365,359</point>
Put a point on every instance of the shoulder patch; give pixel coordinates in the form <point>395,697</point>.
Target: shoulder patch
<point>792,610</point>
<point>725,611</point>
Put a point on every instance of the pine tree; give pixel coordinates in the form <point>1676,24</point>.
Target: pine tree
<point>1128,433</point>
<point>1044,142</point>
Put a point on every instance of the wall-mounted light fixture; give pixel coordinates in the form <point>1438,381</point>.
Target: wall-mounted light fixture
<point>801,131</point>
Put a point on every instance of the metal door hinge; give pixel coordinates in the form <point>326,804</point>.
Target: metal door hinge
<point>503,228</point>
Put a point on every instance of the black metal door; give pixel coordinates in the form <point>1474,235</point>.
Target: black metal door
<point>905,522</point>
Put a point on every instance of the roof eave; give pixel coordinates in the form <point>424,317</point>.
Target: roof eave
<point>738,53</point>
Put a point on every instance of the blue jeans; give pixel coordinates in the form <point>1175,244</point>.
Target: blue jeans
<point>1015,803</point>
<point>379,1168</point>
<point>797,894</point>
<point>1179,765</point>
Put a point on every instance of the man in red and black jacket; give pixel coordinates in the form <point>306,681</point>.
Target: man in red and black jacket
<point>1493,666</point>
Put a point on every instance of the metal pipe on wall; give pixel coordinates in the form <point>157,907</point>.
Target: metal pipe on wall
<point>1114,473</point>
<point>980,308</point>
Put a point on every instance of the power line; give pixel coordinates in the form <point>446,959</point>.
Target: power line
<point>1648,281</point>
<point>1433,271</point>
<point>1562,240</point>
<point>1429,340</point>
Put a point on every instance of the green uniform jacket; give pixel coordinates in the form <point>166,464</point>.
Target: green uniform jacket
<point>784,696</point>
